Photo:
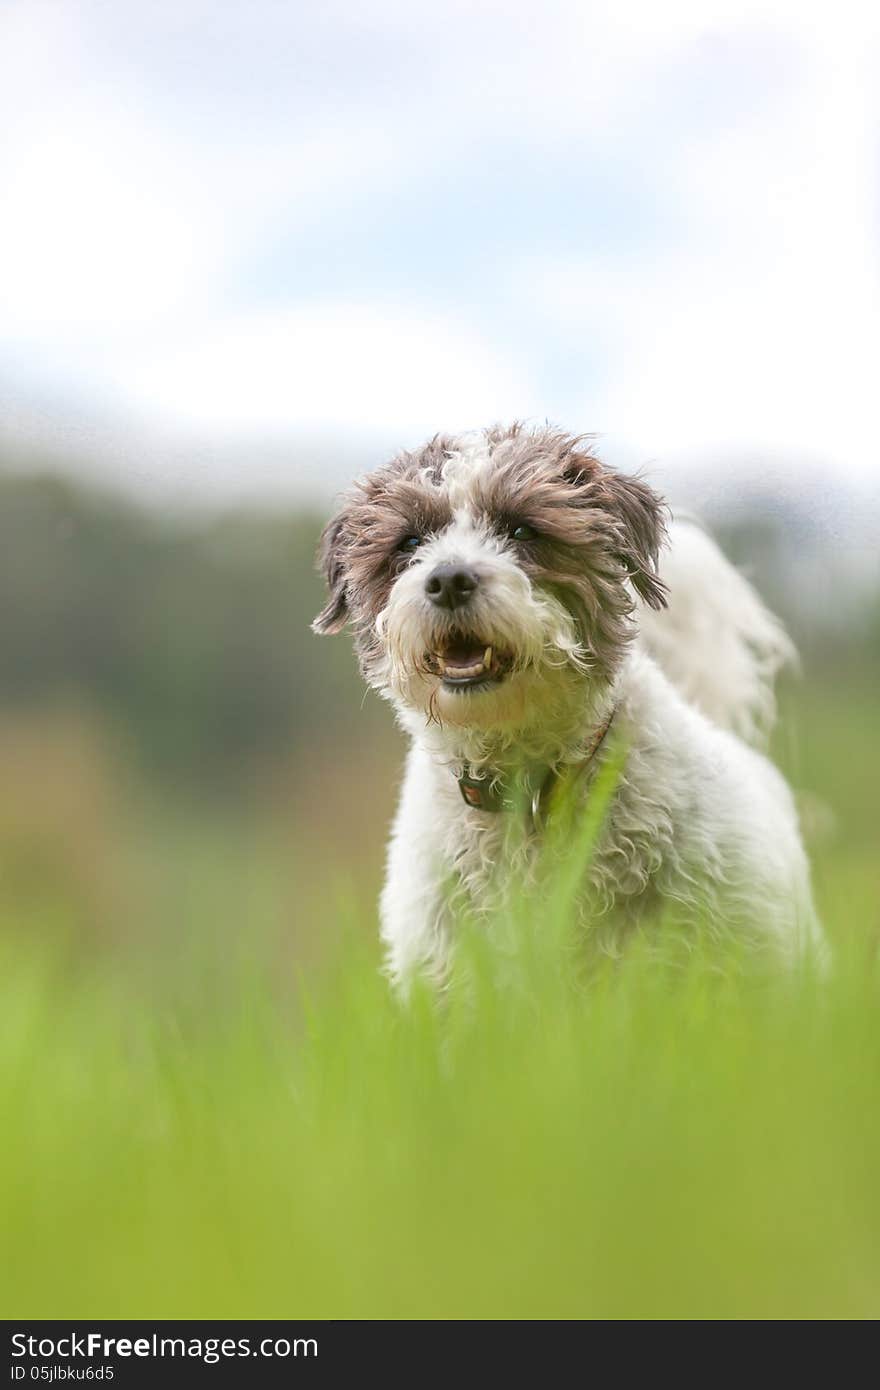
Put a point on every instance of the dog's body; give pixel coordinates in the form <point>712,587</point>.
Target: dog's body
<point>505,595</point>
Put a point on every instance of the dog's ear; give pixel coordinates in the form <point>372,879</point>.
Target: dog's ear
<point>641,513</point>
<point>331,561</point>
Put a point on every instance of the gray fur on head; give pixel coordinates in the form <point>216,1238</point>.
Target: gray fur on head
<point>597,534</point>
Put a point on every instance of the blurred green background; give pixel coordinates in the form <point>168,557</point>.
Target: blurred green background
<point>210,1105</point>
<point>162,698</point>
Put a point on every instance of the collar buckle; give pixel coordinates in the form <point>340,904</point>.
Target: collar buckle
<point>482,793</point>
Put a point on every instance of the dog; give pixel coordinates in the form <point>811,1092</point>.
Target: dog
<point>506,593</point>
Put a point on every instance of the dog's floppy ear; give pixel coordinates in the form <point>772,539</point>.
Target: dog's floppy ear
<point>641,513</point>
<point>331,561</point>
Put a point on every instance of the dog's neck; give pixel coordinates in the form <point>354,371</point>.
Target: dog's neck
<point>556,737</point>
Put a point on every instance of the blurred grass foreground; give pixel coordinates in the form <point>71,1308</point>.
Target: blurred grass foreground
<point>210,1106</point>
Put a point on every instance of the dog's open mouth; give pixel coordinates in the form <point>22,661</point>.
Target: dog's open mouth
<point>464,662</point>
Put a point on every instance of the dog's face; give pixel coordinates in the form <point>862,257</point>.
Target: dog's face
<point>485,574</point>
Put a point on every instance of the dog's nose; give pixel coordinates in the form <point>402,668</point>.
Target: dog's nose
<point>450,586</point>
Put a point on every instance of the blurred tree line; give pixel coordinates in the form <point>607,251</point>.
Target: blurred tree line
<point>190,636</point>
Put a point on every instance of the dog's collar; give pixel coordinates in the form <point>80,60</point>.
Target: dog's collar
<point>490,792</point>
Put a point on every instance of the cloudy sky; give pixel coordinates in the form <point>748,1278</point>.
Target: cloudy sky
<point>243,245</point>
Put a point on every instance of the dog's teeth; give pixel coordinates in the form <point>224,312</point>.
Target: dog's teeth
<point>487,658</point>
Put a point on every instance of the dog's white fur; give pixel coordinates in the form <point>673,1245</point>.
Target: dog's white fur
<point>702,828</point>
<point>715,640</point>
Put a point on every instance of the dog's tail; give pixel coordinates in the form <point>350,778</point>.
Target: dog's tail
<point>716,641</point>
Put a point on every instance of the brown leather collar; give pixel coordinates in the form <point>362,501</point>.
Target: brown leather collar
<point>490,792</point>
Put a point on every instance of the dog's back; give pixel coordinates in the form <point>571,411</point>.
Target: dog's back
<point>716,641</point>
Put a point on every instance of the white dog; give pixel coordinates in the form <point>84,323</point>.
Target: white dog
<point>504,592</point>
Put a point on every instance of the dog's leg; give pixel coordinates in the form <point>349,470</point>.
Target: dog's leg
<point>415,922</point>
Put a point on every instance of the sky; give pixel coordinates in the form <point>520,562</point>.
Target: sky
<point>248,247</point>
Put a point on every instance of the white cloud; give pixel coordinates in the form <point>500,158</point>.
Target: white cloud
<point>763,327</point>
<point>118,222</point>
<point>334,366</point>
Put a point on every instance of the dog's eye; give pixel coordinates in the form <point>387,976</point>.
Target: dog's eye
<point>409,543</point>
<point>523,533</point>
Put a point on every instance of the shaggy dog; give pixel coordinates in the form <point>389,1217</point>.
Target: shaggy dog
<point>505,594</point>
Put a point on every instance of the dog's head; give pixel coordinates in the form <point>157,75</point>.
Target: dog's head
<point>485,573</point>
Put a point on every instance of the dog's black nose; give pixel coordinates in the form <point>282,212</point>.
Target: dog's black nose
<point>449,586</point>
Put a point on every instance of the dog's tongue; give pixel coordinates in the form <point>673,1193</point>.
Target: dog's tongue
<point>464,658</point>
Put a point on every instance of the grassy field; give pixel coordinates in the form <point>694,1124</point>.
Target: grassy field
<point>228,1117</point>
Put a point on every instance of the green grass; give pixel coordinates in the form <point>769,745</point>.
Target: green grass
<point>662,1145</point>
<point>232,1130</point>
